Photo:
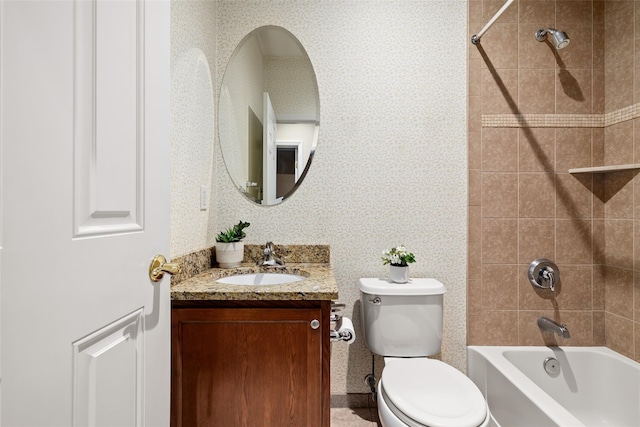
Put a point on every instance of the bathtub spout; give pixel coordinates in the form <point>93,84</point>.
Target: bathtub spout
<point>549,325</point>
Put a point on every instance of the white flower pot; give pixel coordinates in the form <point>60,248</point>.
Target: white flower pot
<point>229,255</point>
<point>399,274</point>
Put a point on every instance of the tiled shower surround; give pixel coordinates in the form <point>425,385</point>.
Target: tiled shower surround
<point>534,113</point>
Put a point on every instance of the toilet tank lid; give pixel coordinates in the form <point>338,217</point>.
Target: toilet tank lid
<point>415,286</point>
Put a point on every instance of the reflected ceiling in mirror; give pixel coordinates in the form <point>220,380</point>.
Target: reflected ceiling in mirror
<point>269,115</point>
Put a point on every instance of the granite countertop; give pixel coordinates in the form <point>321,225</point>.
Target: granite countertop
<point>319,284</point>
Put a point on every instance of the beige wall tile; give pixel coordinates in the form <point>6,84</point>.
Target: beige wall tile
<point>574,196</point>
<point>536,150</point>
<point>475,223</point>
<point>493,328</point>
<point>529,332</point>
<point>636,134</point>
<point>499,150</point>
<point>474,156</point>
<point>538,54</point>
<point>580,325</point>
<point>476,15</point>
<point>474,258</point>
<point>618,195</point>
<point>573,91</point>
<point>575,290</point>
<point>539,12</point>
<point>499,287</point>
<point>474,115</point>
<point>618,246</point>
<point>499,91</point>
<point>598,241</point>
<point>636,333</point>
<point>499,240</point>
<point>619,292</point>
<point>500,45</point>
<point>636,296</point>
<point>598,28</point>
<point>573,241</point>
<point>536,195</point>
<point>618,148</point>
<point>598,328</point>
<point>475,77</point>
<point>573,149</point>
<point>619,29</point>
<point>536,239</point>
<point>499,195</point>
<point>636,247</point>
<point>598,200</point>
<point>530,297</point>
<point>579,53</point>
<point>491,7</point>
<point>636,197</point>
<point>598,92</point>
<point>619,334</point>
<point>580,11</point>
<point>597,147</point>
<point>535,93</point>
<point>474,297</point>
<point>475,187</point>
<point>599,284</point>
<point>620,94</point>
<point>585,222</point>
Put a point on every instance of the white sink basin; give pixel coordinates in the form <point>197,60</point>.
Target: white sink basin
<point>260,279</point>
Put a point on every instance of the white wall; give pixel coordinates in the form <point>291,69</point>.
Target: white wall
<point>193,40</point>
<point>390,166</point>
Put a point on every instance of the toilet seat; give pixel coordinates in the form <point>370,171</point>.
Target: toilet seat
<point>428,392</point>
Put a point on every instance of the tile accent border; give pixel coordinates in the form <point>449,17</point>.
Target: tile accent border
<point>561,120</point>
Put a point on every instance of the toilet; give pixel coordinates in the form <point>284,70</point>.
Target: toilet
<point>403,323</point>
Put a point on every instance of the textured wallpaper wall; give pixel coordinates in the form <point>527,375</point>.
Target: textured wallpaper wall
<point>193,40</point>
<point>391,162</point>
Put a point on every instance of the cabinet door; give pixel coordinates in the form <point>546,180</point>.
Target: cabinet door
<point>247,367</point>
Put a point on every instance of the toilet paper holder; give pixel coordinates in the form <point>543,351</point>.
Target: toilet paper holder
<point>340,335</point>
<point>337,333</point>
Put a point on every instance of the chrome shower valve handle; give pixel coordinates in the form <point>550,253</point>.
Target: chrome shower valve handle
<point>544,274</point>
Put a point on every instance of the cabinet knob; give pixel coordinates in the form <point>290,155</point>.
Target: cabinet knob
<point>315,324</point>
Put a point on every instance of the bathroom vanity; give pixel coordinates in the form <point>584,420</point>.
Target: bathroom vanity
<point>252,355</point>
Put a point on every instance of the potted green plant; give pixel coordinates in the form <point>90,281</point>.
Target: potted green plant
<point>229,245</point>
<point>398,259</point>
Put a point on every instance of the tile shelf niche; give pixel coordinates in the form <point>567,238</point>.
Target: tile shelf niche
<point>606,169</point>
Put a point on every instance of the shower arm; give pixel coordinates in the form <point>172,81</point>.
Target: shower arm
<point>476,37</point>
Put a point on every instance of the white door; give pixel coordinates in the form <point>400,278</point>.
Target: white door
<point>270,153</point>
<point>84,333</point>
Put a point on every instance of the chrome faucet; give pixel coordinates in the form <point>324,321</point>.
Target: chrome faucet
<point>269,256</point>
<point>549,325</point>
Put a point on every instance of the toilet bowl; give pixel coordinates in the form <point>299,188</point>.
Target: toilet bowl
<point>421,392</point>
<point>403,323</point>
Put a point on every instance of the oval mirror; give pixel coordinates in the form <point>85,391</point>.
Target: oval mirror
<point>269,115</point>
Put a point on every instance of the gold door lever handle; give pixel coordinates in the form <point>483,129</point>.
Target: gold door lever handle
<point>159,266</point>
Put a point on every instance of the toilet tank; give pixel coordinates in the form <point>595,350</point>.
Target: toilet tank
<point>402,320</point>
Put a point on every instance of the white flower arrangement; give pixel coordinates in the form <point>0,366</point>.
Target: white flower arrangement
<point>398,257</point>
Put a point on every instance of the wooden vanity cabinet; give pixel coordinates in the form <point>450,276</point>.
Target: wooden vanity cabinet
<point>247,363</point>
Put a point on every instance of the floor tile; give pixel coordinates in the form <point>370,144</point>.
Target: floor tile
<point>349,417</point>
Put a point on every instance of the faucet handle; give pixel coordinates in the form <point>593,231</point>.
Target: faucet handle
<point>544,274</point>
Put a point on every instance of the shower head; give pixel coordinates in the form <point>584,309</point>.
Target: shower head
<point>560,39</point>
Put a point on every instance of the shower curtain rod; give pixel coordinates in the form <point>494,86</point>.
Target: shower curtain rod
<point>476,37</point>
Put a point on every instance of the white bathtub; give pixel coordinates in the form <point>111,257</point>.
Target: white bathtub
<point>595,386</point>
